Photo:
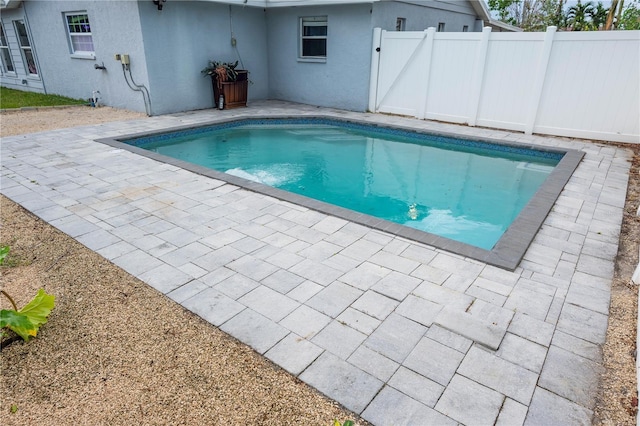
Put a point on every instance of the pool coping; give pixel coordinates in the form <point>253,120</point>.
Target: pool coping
<point>507,253</point>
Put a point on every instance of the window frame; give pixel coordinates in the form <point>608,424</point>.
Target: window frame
<point>465,28</point>
<point>79,54</point>
<point>313,21</point>
<point>441,26</point>
<point>401,23</point>
<point>4,47</point>
<point>26,48</point>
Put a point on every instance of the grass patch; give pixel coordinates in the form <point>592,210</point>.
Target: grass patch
<point>11,98</point>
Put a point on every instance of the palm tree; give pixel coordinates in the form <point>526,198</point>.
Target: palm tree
<point>615,4</point>
<point>579,16</point>
<point>599,16</point>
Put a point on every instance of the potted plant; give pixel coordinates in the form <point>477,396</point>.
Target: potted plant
<point>229,84</point>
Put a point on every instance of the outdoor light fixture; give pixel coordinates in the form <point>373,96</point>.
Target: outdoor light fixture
<point>159,3</point>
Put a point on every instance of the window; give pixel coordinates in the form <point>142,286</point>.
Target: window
<point>79,31</point>
<point>25,48</point>
<point>440,27</point>
<point>401,24</point>
<point>5,54</point>
<point>313,35</point>
<point>465,28</point>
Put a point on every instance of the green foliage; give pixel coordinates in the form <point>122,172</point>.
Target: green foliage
<point>4,252</point>
<point>222,71</point>
<point>6,259</point>
<point>14,408</point>
<point>17,322</point>
<point>10,98</point>
<point>553,13</point>
<point>346,423</point>
<point>27,321</point>
<point>599,16</point>
<point>630,18</point>
<point>530,15</point>
<point>537,15</point>
<point>502,7</point>
<point>579,16</point>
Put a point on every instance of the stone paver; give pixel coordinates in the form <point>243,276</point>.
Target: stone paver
<point>498,374</point>
<point>470,403</point>
<point>305,321</point>
<point>481,331</point>
<point>416,386</point>
<point>434,361</point>
<point>339,339</point>
<point>396,337</point>
<point>396,331</point>
<point>255,330</point>
<point>570,376</point>
<point>294,353</point>
<point>547,408</point>
<point>373,363</point>
<point>391,407</point>
<point>342,381</point>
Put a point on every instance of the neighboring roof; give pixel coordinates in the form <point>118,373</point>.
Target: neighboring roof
<point>481,9</point>
<point>502,26</point>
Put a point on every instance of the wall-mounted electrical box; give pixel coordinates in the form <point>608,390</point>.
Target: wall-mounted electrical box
<point>122,58</point>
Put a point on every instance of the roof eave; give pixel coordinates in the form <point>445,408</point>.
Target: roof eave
<point>10,4</point>
<point>288,3</point>
<point>504,25</point>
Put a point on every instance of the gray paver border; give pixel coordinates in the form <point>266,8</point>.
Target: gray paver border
<point>508,251</point>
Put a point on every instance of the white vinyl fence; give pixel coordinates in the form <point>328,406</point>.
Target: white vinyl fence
<point>576,84</point>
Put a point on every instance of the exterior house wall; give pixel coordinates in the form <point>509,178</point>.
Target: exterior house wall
<point>343,80</point>
<point>421,15</point>
<point>20,78</point>
<point>179,41</point>
<point>114,30</point>
<point>168,48</point>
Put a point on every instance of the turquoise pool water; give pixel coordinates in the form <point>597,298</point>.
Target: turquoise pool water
<point>467,191</point>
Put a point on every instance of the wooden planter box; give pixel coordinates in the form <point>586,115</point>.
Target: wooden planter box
<point>234,92</point>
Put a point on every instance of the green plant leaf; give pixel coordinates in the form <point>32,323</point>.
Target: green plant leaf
<point>18,322</point>
<point>4,252</point>
<point>348,423</point>
<point>26,322</point>
<point>39,308</point>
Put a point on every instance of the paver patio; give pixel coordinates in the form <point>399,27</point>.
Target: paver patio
<point>394,330</point>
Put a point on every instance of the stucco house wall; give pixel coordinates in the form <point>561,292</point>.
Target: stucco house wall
<point>343,80</point>
<point>114,30</point>
<point>179,41</point>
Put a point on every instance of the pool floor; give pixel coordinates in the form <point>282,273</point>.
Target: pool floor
<point>425,336</point>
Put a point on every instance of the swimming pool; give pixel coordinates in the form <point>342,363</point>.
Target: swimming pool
<point>466,196</point>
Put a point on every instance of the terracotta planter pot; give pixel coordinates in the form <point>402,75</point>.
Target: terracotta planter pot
<point>234,92</point>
